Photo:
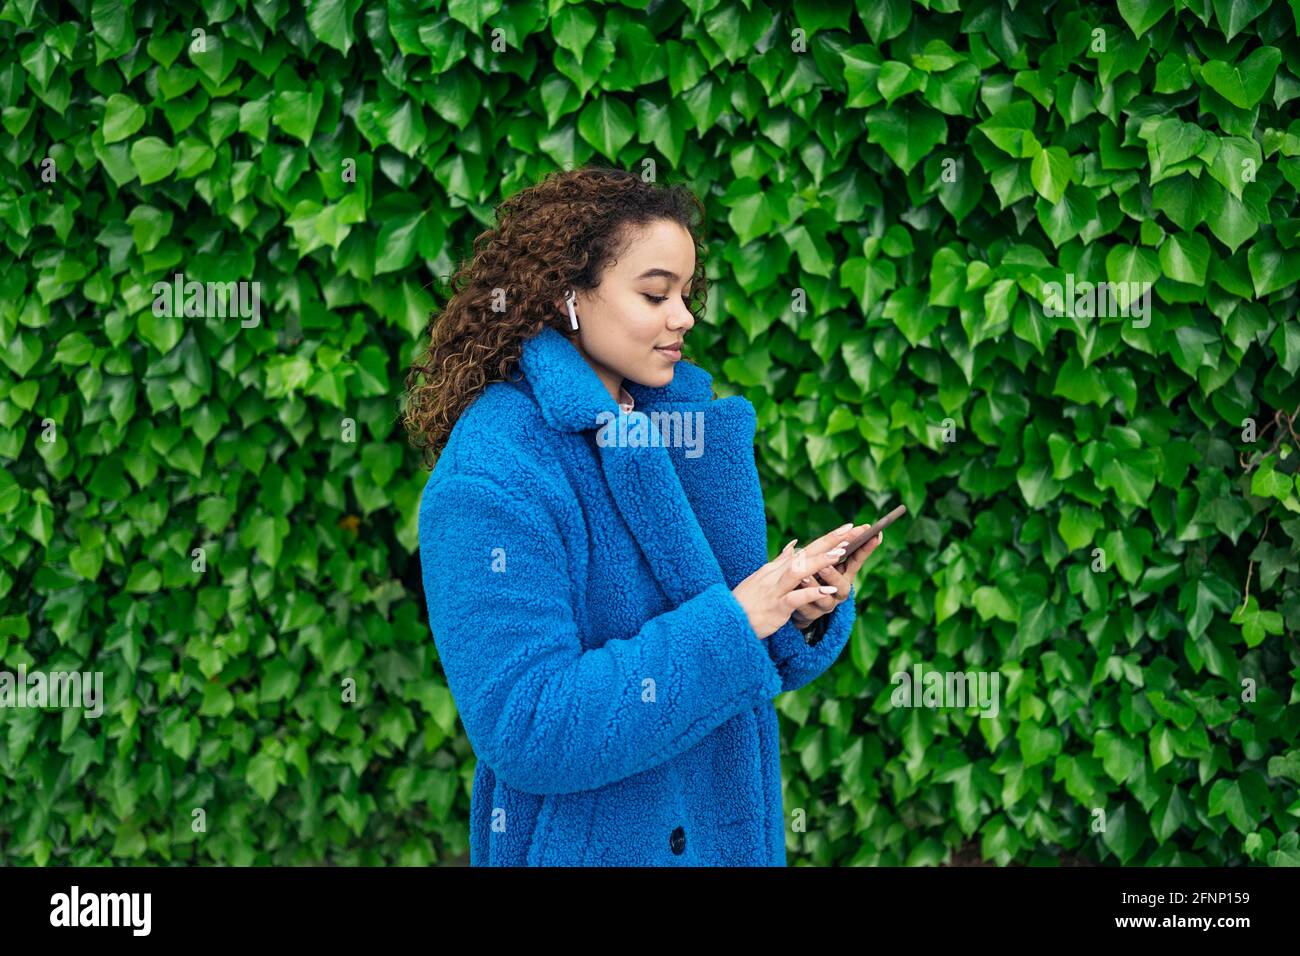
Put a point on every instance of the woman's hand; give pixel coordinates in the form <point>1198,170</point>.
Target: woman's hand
<point>840,579</point>
<point>773,592</point>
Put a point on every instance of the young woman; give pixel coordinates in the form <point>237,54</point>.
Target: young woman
<point>610,627</point>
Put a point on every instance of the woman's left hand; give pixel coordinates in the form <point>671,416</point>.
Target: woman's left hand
<point>843,581</point>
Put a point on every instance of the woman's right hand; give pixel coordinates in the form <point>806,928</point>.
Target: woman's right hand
<point>772,593</point>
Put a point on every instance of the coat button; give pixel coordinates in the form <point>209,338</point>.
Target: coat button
<point>678,841</point>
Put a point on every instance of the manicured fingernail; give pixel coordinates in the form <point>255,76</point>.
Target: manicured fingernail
<point>791,541</point>
<point>837,553</point>
<point>828,589</point>
<point>844,527</point>
<point>842,544</point>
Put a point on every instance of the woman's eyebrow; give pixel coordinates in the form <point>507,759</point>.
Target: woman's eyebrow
<point>656,273</point>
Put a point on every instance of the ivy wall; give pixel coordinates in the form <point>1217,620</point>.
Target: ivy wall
<point>1028,268</point>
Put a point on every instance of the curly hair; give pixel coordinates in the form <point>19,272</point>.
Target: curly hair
<point>556,235</point>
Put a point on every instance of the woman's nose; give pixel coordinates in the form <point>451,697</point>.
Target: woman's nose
<point>685,318</point>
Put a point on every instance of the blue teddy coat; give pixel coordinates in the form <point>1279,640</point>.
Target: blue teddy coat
<point>579,593</point>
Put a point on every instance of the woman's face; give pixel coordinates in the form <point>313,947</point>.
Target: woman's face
<point>639,309</point>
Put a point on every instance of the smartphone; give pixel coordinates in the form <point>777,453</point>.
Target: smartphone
<point>869,534</point>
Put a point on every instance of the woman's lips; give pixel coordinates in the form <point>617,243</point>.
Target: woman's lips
<point>673,353</point>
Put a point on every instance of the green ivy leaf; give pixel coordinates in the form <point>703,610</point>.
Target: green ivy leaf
<point>153,159</point>
<point>1234,15</point>
<point>331,22</point>
<point>1246,83</point>
<point>1228,218</point>
<point>123,117</point>
<point>1185,257</point>
<point>1064,220</point>
<point>1051,171</point>
<point>296,111</point>
<point>907,133</point>
<point>143,579</point>
<point>1239,800</point>
<point>1256,624</point>
<point>1142,15</point>
<point>884,19</point>
<point>606,123</point>
<point>1126,831</point>
<point>396,245</point>
<point>1272,267</point>
<point>266,774</point>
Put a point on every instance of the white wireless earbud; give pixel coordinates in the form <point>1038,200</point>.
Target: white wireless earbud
<point>573,316</point>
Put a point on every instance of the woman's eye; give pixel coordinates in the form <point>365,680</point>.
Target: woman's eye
<point>656,299</point>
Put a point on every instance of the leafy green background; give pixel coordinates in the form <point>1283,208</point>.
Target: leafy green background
<point>860,298</point>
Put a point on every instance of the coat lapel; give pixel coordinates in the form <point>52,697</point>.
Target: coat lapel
<point>722,484</point>
<point>695,523</point>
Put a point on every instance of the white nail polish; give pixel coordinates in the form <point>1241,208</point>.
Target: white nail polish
<point>828,589</point>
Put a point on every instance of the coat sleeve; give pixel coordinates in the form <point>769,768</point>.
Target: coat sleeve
<point>800,662</point>
<point>547,715</point>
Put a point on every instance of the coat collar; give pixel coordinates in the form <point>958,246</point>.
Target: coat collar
<point>571,395</point>
<point>698,521</point>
